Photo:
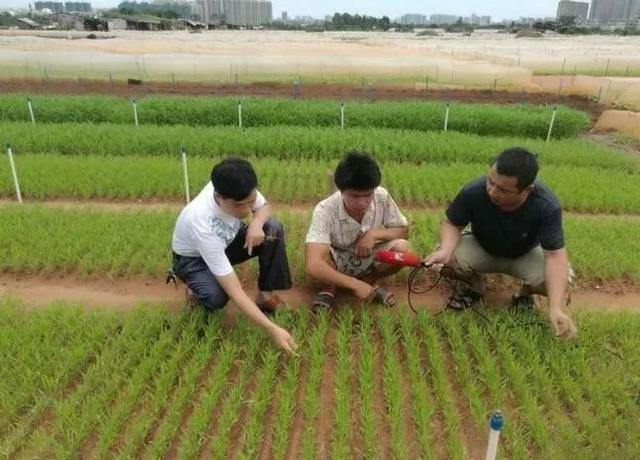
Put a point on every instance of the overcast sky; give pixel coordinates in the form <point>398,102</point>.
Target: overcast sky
<point>497,9</point>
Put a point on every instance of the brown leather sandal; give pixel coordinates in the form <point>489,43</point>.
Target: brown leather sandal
<point>270,305</point>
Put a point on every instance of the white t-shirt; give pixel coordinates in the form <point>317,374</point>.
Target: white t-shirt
<point>204,230</point>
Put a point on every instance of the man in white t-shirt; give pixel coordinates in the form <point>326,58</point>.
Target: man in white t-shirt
<point>210,237</point>
<point>348,228</point>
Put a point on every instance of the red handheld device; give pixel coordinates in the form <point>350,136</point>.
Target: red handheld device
<point>398,259</point>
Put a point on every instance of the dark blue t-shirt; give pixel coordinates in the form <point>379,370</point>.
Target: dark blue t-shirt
<point>509,234</point>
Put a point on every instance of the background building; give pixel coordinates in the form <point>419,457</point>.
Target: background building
<point>603,11</point>
<point>570,9</point>
<point>444,19</point>
<point>77,7</point>
<point>54,7</point>
<point>413,19</point>
<point>237,12</point>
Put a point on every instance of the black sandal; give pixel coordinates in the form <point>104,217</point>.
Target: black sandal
<point>522,303</point>
<point>323,300</point>
<point>464,298</point>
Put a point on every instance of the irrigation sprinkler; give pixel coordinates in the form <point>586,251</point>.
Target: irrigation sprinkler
<point>183,153</point>
<point>30,105</point>
<point>110,79</point>
<point>14,173</point>
<point>553,120</point>
<point>342,115</point>
<point>446,116</point>
<point>135,111</point>
<point>239,114</point>
<point>496,424</point>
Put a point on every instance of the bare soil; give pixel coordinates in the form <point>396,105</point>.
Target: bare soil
<point>623,121</point>
<point>306,91</point>
<point>123,294</point>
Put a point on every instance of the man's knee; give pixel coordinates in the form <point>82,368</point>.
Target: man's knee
<point>535,279</point>
<point>213,300</point>
<point>401,246</point>
<point>531,269</point>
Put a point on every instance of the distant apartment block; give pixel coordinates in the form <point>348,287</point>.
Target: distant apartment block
<point>604,11</point>
<point>414,19</point>
<point>444,19</point>
<point>77,7</point>
<point>570,9</point>
<point>237,12</point>
<point>54,7</point>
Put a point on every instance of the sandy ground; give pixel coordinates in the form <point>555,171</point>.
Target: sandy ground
<point>625,122</point>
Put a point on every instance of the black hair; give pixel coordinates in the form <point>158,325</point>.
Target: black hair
<point>519,163</point>
<point>357,171</point>
<point>234,178</point>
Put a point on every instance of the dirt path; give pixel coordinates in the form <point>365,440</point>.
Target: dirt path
<point>306,91</point>
<point>623,121</point>
<point>148,205</point>
<point>614,140</point>
<point>125,293</point>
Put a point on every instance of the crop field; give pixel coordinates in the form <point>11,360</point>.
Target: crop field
<point>41,239</point>
<point>524,120</point>
<point>165,381</point>
<point>367,384</point>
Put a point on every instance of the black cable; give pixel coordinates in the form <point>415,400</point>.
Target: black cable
<point>411,284</point>
<point>412,288</point>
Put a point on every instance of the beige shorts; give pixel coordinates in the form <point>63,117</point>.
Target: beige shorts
<point>350,264</point>
<point>471,259</point>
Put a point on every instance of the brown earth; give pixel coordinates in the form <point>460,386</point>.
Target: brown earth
<point>302,206</point>
<point>123,294</point>
<point>306,91</point>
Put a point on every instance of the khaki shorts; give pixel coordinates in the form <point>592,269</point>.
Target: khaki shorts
<point>350,264</point>
<point>471,260</point>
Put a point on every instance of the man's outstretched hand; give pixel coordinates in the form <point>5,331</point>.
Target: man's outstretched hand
<point>283,340</point>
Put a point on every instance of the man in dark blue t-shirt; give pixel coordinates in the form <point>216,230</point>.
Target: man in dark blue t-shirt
<point>516,229</point>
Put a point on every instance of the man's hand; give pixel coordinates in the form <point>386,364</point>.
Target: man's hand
<point>364,246</point>
<point>283,340</point>
<point>438,258</point>
<point>363,290</point>
<point>255,237</point>
<point>562,325</point>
